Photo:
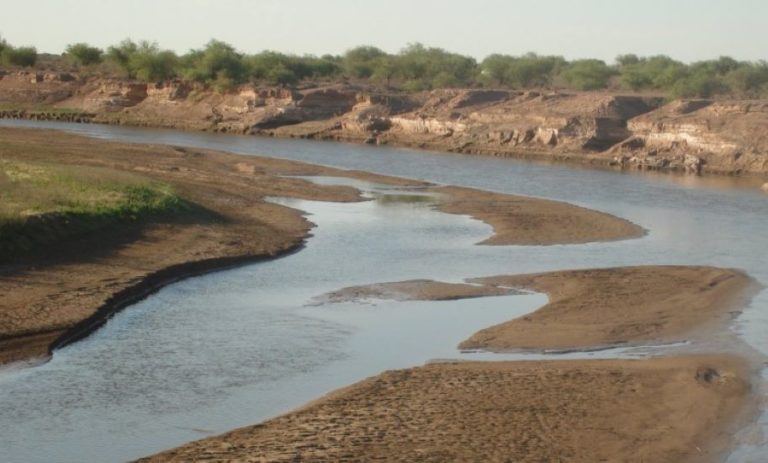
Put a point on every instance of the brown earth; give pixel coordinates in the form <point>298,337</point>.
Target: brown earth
<point>596,128</point>
<point>75,286</point>
<point>675,409</point>
<point>626,305</point>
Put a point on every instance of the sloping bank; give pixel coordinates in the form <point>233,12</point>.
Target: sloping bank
<point>63,294</point>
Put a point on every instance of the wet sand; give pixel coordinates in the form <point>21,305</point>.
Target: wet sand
<point>50,301</point>
<point>411,290</point>
<point>677,409</point>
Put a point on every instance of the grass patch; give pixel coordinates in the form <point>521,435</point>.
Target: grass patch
<point>42,204</point>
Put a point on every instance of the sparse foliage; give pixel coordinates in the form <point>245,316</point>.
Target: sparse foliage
<point>417,67</point>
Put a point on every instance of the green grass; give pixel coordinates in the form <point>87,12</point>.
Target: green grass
<point>43,204</point>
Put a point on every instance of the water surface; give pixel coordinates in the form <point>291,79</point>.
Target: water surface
<point>235,347</point>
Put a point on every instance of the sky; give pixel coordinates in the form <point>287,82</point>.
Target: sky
<point>687,30</point>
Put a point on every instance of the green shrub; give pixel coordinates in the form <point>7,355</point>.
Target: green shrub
<point>217,62</point>
<point>83,54</point>
<point>18,56</point>
<point>144,60</point>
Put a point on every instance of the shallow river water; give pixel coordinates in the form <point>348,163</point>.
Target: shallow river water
<point>235,347</point>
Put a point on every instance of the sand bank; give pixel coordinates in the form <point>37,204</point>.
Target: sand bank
<point>587,308</point>
<point>673,409</point>
<point>626,305</point>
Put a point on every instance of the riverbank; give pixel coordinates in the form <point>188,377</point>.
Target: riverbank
<point>62,296</point>
<point>674,409</point>
<point>623,131</point>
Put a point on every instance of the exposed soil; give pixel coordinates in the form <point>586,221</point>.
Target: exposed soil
<point>47,297</point>
<point>676,410</point>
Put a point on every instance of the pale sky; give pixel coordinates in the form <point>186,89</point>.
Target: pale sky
<point>688,30</point>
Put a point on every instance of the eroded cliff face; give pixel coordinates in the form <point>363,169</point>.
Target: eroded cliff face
<point>508,122</point>
<point>627,131</point>
<point>700,135</point>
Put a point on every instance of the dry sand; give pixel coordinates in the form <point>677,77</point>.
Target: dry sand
<point>677,409</point>
<point>626,305</point>
<point>44,298</point>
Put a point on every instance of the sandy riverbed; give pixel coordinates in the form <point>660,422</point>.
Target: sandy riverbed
<point>44,298</point>
<point>673,409</point>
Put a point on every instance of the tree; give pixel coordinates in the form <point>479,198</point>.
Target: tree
<point>627,60</point>
<point>424,68</point>
<point>361,62</point>
<point>144,60</point>
<point>494,68</point>
<point>529,70</point>
<point>217,62</point>
<point>84,54</point>
<point>698,85</point>
<point>149,63</point>
<point>588,74</point>
<point>121,54</point>
<point>749,79</point>
<point>17,56</point>
<point>281,75</point>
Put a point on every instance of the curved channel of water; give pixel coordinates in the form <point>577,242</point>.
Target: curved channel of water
<point>234,347</point>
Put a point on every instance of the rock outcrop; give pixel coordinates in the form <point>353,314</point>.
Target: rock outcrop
<point>627,131</point>
<point>697,135</point>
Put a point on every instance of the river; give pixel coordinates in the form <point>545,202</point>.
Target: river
<point>238,346</point>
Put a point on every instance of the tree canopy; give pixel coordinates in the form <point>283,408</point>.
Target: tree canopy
<point>416,67</point>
